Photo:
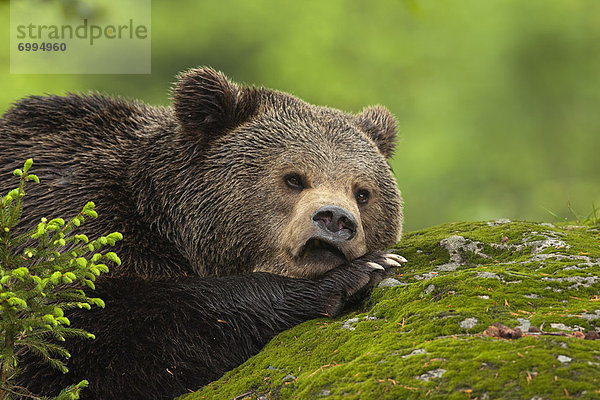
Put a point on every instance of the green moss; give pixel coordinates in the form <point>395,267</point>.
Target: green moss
<point>424,339</point>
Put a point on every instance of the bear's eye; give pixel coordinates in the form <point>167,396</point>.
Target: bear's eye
<point>362,196</point>
<point>294,181</point>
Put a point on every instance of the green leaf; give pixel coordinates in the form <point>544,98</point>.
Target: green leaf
<point>102,268</point>
<point>49,319</point>
<point>81,262</point>
<point>97,302</point>
<point>17,302</point>
<point>6,295</point>
<point>88,210</point>
<point>113,257</point>
<point>28,164</point>
<point>32,177</point>
<point>41,228</point>
<point>70,275</point>
<point>115,236</point>
<point>55,277</point>
<point>20,272</point>
<point>17,172</point>
<point>92,213</point>
<point>57,221</point>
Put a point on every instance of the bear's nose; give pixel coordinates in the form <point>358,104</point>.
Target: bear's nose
<point>336,222</point>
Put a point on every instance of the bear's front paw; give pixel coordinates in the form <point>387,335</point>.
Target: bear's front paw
<point>350,282</point>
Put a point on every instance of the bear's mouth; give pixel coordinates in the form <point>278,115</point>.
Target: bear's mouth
<point>319,251</point>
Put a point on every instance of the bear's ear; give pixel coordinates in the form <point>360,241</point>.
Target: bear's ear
<point>208,105</point>
<point>380,125</point>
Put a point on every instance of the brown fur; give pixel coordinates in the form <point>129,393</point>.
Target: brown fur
<point>284,135</point>
<point>214,229</point>
<point>199,189</point>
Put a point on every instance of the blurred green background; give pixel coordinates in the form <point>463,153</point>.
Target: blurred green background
<point>498,101</point>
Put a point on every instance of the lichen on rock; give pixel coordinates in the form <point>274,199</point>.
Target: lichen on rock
<point>459,280</point>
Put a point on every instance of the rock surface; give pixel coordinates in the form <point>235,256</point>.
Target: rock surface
<point>422,336</point>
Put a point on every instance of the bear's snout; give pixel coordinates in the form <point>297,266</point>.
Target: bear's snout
<point>335,223</point>
<point>325,231</point>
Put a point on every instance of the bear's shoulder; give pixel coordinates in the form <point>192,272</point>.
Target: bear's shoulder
<point>83,113</point>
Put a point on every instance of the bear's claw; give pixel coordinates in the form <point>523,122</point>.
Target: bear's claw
<point>375,265</point>
<point>396,257</point>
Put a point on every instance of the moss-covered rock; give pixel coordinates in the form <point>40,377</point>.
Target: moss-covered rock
<point>421,334</point>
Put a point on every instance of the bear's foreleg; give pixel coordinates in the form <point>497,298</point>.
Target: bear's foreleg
<point>160,339</point>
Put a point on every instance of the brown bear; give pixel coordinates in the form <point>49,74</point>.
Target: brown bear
<point>244,211</point>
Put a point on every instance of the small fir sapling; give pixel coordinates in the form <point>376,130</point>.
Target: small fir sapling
<point>42,274</point>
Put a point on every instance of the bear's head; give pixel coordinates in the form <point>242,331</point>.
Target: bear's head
<point>279,185</point>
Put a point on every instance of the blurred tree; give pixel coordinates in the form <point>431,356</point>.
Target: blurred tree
<point>497,100</point>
